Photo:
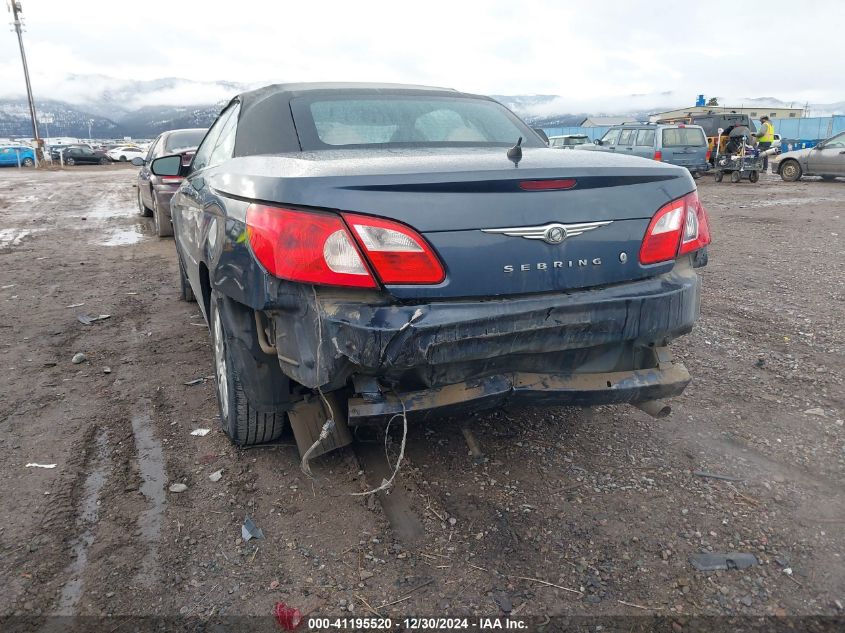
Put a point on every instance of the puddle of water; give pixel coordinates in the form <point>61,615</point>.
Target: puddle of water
<point>151,465</point>
<point>86,520</point>
<point>123,237</point>
<point>106,208</point>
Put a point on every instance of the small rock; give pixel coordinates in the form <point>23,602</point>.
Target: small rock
<point>274,584</point>
<point>216,475</point>
<point>78,358</point>
<point>818,411</point>
<point>110,594</point>
<point>365,574</point>
<point>178,487</point>
<point>106,370</point>
<point>724,590</point>
<point>452,520</point>
<point>747,600</point>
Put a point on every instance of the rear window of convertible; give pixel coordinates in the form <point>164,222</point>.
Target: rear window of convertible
<point>384,121</point>
<point>682,136</point>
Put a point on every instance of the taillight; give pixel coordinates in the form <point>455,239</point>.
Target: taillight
<point>399,254</point>
<point>707,155</point>
<point>658,155</point>
<point>696,226</point>
<point>677,228</point>
<point>305,246</point>
<point>319,248</point>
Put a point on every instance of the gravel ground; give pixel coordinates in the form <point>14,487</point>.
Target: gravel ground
<point>574,513</point>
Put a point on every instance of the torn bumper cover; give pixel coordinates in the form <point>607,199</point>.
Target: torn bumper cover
<point>548,345</point>
<point>539,389</point>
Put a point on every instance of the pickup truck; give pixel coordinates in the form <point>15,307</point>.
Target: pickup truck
<point>388,250</point>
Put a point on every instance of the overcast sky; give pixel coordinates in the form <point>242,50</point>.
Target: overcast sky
<point>594,54</point>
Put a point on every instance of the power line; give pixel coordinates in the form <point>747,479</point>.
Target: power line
<point>15,8</point>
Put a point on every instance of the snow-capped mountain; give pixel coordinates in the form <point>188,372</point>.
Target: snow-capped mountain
<point>141,109</point>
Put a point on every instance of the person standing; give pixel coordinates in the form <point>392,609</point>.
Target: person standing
<point>765,138</point>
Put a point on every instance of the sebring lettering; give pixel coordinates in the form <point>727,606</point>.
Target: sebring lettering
<point>569,263</point>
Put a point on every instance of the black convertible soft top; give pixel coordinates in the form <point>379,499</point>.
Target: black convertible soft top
<point>265,122</point>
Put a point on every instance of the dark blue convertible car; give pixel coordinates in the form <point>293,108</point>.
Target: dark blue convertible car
<point>379,249</point>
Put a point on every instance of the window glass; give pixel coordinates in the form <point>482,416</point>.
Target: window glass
<point>610,137</point>
<point>626,137</point>
<point>154,149</point>
<point>406,120</point>
<point>201,158</point>
<point>836,141</point>
<point>683,136</point>
<point>187,139</point>
<point>645,138</point>
<point>226,141</point>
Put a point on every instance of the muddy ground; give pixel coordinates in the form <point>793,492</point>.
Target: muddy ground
<point>574,513</point>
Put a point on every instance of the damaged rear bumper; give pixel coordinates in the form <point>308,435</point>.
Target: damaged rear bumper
<point>587,347</point>
<point>664,381</point>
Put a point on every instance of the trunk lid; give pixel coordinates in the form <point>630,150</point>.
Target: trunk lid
<point>494,237</point>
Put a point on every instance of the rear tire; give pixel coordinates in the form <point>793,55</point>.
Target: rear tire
<point>251,390</point>
<point>719,176</point>
<point>104,161</point>
<point>142,208</point>
<point>186,293</point>
<point>735,176</point>
<point>27,162</point>
<point>790,170</point>
<point>163,226</point>
<point>754,176</point>
<point>123,159</point>
<point>70,162</point>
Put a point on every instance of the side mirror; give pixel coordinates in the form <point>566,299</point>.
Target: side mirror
<point>166,165</point>
<point>138,161</point>
<point>541,133</point>
<point>597,141</point>
<point>819,146</point>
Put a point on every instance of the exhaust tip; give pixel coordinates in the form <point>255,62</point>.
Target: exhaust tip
<point>655,408</point>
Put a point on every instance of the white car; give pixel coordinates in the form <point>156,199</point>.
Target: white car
<point>125,153</point>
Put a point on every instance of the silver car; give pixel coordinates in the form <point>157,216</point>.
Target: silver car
<point>827,159</point>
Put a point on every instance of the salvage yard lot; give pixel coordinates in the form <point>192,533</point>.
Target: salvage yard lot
<point>574,512</point>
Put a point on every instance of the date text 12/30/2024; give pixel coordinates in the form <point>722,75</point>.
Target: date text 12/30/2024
<point>420,624</point>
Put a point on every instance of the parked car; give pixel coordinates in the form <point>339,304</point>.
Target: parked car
<point>78,155</point>
<point>825,159</point>
<point>712,122</point>
<point>155,192</point>
<point>17,155</point>
<point>568,141</point>
<point>377,245</point>
<point>676,144</point>
<point>125,153</point>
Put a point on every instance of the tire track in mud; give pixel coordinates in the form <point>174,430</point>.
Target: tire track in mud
<point>98,467</point>
<point>150,460</point>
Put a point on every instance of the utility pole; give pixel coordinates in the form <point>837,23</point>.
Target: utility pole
<point>15,8</point>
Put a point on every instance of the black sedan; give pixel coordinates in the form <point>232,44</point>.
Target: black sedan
<point>362,252</point>
<point>79,155</point>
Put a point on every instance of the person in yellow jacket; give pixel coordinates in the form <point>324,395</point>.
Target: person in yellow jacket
<point>765,138</point>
